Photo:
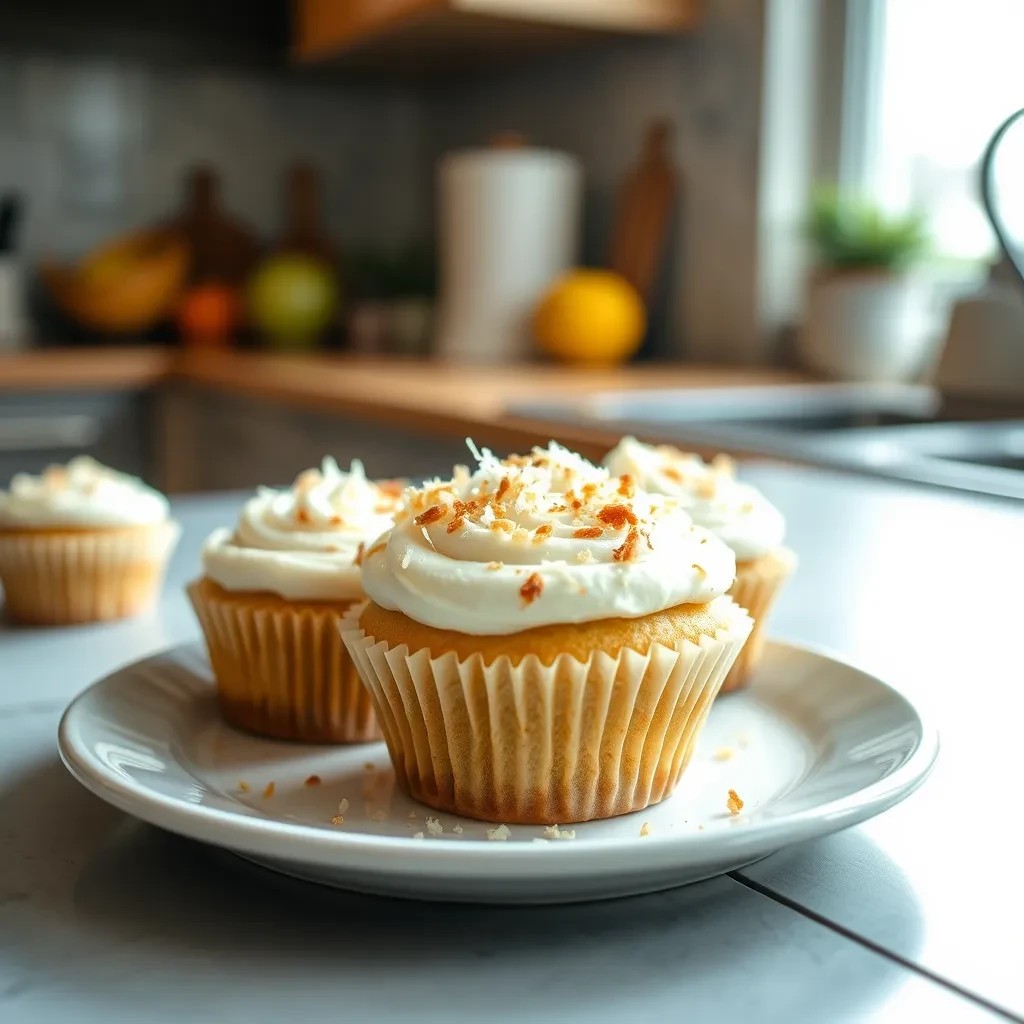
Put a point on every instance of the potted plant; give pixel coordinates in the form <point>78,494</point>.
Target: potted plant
<point>868,316</point>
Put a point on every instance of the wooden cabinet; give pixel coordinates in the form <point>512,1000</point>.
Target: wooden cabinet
<point>412,35</point>
<point>38,428</point>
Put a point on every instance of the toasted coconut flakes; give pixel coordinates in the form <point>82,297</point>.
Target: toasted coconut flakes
<point>456,524</point>
<point>617,516</point>
<point>457,829</point>
<point>626,552</point>
<point>554,832</point>
<point>379,815</point>
<point>672,473</point>
<point>502,488</point>
<point>243,786</point>
<point>699,569</point>
<point>558,508</point>
<point>503,526</point>
<point>520,535</point>
<point>626,486</point>
<point>417,835</point>
<point>434,826</point>
<point>499,833</point>
<point>302,516</point>
<point>494,566</point>
<point>542,531</point>
<point>585,555</point>
<point>645,829</point>
<point>734,803</point>
<point>268,790</point>
<point>723,754</point>
<point>588,533</point>
<point>532,588</point>
<point>338,819</point>
<point>431,515</point>
<point>406,558</point>
<point>343,806</point>
<point>375,549</point>
<point>313,780</point>
<point>358,560</point>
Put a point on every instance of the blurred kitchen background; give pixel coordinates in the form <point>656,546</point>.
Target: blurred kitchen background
<point>236,237</point>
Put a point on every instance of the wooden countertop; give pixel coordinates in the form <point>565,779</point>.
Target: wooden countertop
<point>439,398</point>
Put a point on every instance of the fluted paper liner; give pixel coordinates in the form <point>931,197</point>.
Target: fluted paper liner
<point>758,584</point>
<point>60,577</point>
<point>544,744</point>
<point>281,669</point>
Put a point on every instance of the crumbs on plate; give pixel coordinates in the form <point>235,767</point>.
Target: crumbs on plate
<point>313,780</point>
<point>734,803</point>
<point>268,790</point>
<point>499,833</point>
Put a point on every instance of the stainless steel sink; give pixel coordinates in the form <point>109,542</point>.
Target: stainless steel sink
<point>890,431</point>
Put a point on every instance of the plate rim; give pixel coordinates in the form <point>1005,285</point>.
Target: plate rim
<point>255,835</point>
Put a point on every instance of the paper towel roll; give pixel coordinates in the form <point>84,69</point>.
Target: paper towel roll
<point>509,224</point>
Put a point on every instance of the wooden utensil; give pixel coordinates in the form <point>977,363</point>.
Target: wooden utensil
<point>302,229</point>
<point>223,249</point>
<point>643,212</point>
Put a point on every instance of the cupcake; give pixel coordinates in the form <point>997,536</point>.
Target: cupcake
<point>543,641</point>
<point>737,513</point>
<point>82,543</point>
<point>273,592</point>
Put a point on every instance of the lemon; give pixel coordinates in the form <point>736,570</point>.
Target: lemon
<point>590,316</point>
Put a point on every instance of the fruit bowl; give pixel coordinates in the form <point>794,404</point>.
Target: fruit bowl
<point>129,284</point>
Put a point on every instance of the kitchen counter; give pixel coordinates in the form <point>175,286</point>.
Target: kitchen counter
<point>912,916</point>
<point>445,400</point>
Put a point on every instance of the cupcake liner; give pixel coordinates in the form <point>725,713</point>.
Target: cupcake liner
<point>758,584</point>
<point>544,744</point>
<point>59,577</point>
<point>281,668</point>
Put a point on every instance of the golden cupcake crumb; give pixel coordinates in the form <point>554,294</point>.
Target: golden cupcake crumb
<point>338,819</point>
<point>313,780</point>
<point>554,832</point>
<point>645,829</point>
<point>734,803</point>
<point>343,806</point>
<point>494,566</point>
<point>269,790</point>
<point>532,588</point>
<point>434,826</point>
<point>457,829</point>
<point>723,754</point>
<point>243,786</point>
<point>499,833</point>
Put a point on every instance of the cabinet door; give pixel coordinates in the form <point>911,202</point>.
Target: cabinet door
<point>40,428</point>
<point>213,442</point>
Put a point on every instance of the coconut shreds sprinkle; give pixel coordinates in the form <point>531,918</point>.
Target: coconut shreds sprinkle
<point>343,806</point>
<point>585,555</point>
<point>434,827</point>
<point>499,833</point>
<point>554,832</point>
<point>417,835</point>
<point>532,588</point>
<point>723,754</point>
<point>645,829</point>
<point>734,803</point>
<point>406,558</point>
<point>313,780</point>
<point>269,790</point>
<point>457,829</point>
<point>360,552</point>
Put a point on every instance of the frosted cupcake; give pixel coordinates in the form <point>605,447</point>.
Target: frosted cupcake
<point>737,513</point>
<point>82,543</point>
<point>543,641</point>
<point>273,592</point>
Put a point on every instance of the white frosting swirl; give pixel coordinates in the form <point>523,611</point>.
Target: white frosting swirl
<point>304,543</point>
<point>736,512</point>
<point>539,540</point>
<point>82,494</point>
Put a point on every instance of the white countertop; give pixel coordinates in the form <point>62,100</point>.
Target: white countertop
<point>910,917</point>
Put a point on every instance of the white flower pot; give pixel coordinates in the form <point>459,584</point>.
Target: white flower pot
<point>870,325</point>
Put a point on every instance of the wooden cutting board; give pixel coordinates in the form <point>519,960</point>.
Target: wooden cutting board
<point>643,212</point>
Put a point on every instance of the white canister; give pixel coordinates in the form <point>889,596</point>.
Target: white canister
<point>509,225</point>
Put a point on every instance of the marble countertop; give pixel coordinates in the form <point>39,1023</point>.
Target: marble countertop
<point>912,916</point>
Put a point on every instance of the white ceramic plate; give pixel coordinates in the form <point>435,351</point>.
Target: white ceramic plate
<point>814,746</point>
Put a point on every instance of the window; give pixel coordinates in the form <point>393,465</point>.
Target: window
<point>927,84</point>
